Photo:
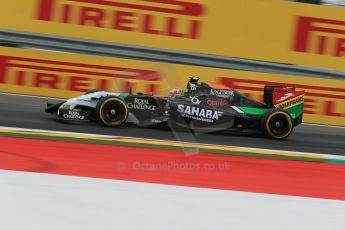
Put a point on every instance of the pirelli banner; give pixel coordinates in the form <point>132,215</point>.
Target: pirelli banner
<point>270,30</point>
<point>66,75</point>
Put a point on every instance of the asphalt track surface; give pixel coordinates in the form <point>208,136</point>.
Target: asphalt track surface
<point>28,112</point>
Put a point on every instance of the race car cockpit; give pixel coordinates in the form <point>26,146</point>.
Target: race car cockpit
<point>194,88</point>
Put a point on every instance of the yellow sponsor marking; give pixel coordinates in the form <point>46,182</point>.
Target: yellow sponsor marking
<point>291,103</point>
<point>202,26</point>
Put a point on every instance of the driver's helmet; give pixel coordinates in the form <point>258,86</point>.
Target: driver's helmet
<point>175,92</point>
<point>194,79</point>
<point>192,84</point>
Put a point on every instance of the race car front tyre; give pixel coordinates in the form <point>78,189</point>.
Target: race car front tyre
<point>111,111</point>
<point>277,124</point>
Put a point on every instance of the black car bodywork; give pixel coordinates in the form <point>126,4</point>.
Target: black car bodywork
<point>205,106</point>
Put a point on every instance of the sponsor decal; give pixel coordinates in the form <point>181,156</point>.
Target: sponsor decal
<point>286,96</point>
<point>73,114</point>
<point>326,34</point>
<point>290,103</point>
<point>219,103</point>
<point>189,25</point>
<point>141,104</point>
<point>72,76</point>
<point>322,101</point>
<point>199,114</point>
<point>222,92</point>
<point>195,100</point>
<point>174,18</point>
<point>156,121</point>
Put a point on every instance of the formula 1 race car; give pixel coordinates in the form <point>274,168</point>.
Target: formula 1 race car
<point>205,106</point>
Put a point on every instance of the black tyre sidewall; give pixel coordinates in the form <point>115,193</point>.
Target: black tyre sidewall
<point>100,107</point>
<point>265,127</point>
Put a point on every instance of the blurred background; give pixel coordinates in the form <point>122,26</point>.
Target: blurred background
<point>59,175</point>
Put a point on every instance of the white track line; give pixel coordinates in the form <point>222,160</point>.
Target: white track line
<point>31,96</point>
<point>327,126</point>
<point>326,156</point>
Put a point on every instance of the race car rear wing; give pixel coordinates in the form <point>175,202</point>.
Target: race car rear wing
<point>282,97</point>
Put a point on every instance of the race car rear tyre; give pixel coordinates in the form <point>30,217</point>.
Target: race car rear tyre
<point>111,111</point>
<point>277,124</point>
